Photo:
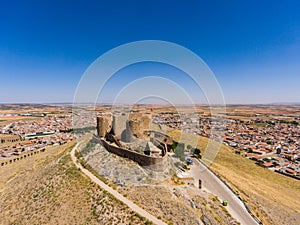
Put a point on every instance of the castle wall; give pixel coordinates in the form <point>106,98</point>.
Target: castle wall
<point>135,128</point>
<point>119,124</point>
<point>146,120</point>
<point>143,160</point>
<point>138,123</point>
<point>103,125</point>
<point>162,137</point>
<point>128,133</point>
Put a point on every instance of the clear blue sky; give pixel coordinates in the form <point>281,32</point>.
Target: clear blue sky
<point>253,47</point>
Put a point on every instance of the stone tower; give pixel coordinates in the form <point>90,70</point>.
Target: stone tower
<point>135,128</point>
<point>103,125</point>
<point>138,124</point>
<point>119,124</point>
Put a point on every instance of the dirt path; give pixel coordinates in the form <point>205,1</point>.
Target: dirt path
<point>116,194</point>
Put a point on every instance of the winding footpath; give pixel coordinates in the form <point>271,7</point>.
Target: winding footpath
<point>116,194</point>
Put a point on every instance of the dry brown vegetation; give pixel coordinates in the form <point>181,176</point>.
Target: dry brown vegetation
<point>172,202</point>
<point>48,189</point>
<point>180,204</point>
<point>273,197</point>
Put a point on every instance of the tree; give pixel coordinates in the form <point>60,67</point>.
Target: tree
<point>147,149</point>
<point>197,151</point>
<point>179,151</point>
<point>174,145</point>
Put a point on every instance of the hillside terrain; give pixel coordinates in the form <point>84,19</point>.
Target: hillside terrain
<point>160,195</point>
<point>274,198</point>
<point>48,189</point>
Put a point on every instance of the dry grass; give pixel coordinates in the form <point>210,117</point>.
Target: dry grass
<point>49,189</point>
<point>273,197</point>
<point>179,205</point>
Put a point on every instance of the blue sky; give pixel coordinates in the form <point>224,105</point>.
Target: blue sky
<point>253,47</point>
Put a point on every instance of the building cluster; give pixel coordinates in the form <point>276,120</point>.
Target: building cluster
<point>272,144</point>
<point>45,124</point>
<point>83,118</point>
<point>23,136</point>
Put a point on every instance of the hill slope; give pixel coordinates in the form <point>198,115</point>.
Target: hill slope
<point>273,197</point>
<point>48,189</point>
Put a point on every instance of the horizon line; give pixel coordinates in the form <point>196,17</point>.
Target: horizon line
<point>124,104</point>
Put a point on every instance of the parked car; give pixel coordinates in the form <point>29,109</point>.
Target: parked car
<point>189,161</point>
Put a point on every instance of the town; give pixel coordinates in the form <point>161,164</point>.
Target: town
<point>269,140</point>
<point>29,135</point>
<point>262,135</point>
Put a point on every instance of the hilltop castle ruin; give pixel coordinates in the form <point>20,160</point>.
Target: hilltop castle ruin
<point>129,135</point>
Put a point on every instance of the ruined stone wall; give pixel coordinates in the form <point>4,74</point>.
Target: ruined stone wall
<point>103,125</point>
<point>126,127</point>
<point>146,121</point>
<point>139,123</point>
<point>119,124</point>
<point>143,160</point>
<point>135,128</point>
<point>162,137</point>
<point>128,134</point>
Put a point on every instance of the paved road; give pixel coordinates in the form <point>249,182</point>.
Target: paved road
<point>116,194</point>
<point>214,185</point>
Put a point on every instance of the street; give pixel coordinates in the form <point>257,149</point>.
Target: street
<point>212,184</point>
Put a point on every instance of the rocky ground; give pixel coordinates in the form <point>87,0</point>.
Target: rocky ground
<point>122,171</point>
<point>157,193</point>
<point>119,170</point>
